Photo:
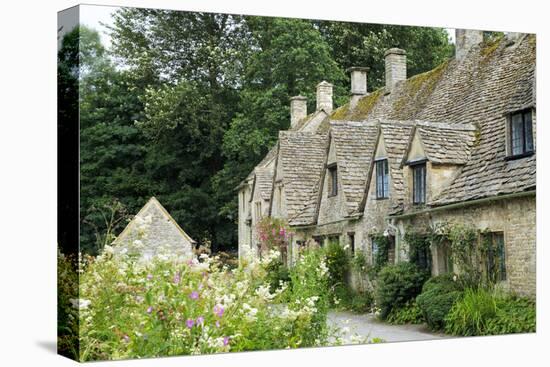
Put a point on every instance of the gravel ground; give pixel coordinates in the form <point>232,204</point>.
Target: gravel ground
<point>366,326</point>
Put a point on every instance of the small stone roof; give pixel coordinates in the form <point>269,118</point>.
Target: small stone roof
<point>301,160</point>
<point>445,143</point>
<point>264,181</point>
<point>153,229</point>
<point>354,144</point>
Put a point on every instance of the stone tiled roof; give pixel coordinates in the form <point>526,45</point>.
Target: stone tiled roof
<point>354,144</point>
<point>494,79</point>
<point>264,181</point>
<point>396,137</point>
<point>301,160</point>
<point>446,143</point>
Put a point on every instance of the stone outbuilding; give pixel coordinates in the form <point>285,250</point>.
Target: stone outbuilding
<point>153,231</point>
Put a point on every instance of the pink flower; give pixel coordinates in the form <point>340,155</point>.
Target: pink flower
<point>194,295</point>
<point>126,338</point>
<point>190,323</point>
<point>200,320</point>
<point>218,310</point>
<point>149,309</point>
<point>218,323</point>
<point>149,276</point>
<point>225,340</point>
<point>177,278</point>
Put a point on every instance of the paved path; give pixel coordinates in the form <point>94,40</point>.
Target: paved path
<point>366,326</point>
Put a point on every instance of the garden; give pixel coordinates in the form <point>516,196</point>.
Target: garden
<point>117,305</point>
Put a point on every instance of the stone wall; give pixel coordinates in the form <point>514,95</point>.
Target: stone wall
<point>514,217</point>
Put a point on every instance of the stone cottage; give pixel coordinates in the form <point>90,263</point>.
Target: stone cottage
<point>453,145</point>
<point>153,231</point>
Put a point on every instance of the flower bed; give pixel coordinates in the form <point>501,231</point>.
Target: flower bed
<point>168,306</point>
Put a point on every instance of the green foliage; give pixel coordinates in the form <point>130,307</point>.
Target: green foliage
<point>359,262</point>
<point>485,312</point>
<point>381,257</point>
<point>397,284</point>
<point>273,233</point>
<point>419,248</point>
<point>277,272</point>
<point>410,313</point>
<point>337,260</point>
<point>438,296</point>
<point>67,316</point>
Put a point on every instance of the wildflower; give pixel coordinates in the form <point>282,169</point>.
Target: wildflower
<point>200,320</point>
<point>177,278</point>
<point>190,323</point>
<point>225,341</point>
<point>194,295</point>
<point>126,338</point>
<point>80,303</point>
<point>217,323</point>
<point>218,310</point>
<point>454,278</point>
<point>149,276</point>
<point>149,309</point>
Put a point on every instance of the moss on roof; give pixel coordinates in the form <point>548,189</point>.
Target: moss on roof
<point>360,111</point>
<point>416,91</point>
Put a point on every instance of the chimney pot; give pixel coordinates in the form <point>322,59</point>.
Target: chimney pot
<point>324,96</point>
<point>298,109</point>
<point>465,39</point>
<point>358,80</point>
<point>396,67</point>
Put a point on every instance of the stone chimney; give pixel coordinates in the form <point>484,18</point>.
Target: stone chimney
<point>396,67</point>
<point>324,96</point>
<point>358,80</point>
<point>465,39</point>
<point>298,109</point>
<point>514,37</point>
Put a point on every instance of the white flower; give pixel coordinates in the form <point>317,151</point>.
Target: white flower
<point>80,303</point>
<point>264,294</point>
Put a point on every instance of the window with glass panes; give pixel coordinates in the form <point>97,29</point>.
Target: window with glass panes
<point>419,183</point>
<point>333,180</point>
<point>495,259</point>
<point>521,133</point>
<point>382,179</point>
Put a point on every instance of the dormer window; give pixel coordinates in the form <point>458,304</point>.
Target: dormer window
<point>382,179</point>
<point>419,183</point>
<point>521,134</point>
<point>332,180</point>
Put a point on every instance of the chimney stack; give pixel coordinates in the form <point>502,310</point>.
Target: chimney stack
<point>396,67</point>
<point>465,39</point>
<point>324,96</point>
<point>298,109</point>
<point>358,80</point>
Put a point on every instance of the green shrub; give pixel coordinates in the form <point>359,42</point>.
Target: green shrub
<point>437,297</point>
<point>514,315</point>
<point>362,302</point>
<point>277,272</point>
<point>485,312</point>
<point>337,262</point>
<point>410,313</point>
<point>470,314</point>
<point>396,285</point>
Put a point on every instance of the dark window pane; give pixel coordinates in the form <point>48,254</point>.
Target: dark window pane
<point>517,134</point>
<point>528,123</point>
<point>419,184</point>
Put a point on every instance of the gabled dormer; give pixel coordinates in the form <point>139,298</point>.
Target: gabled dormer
<point>434,156</point>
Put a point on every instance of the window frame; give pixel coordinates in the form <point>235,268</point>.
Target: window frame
<point>333,180</point>
<point>524,134</point>
<point>495,263</point>
<point>414,168</point>
<point>382,179</point>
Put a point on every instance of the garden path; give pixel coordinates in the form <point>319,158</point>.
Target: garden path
<point>366,325</point>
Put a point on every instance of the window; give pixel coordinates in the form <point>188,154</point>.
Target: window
<point>419,183</point>
<point>352,243</point>
<point>420,254</point>
<point>332,180</point>
<point>279,198</point>
<point>375,248</point>
<point>382,179</point>
<point>495,261</point>
<point>521,133</point>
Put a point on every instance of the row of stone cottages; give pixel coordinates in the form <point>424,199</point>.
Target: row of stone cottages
<point>453,145</point>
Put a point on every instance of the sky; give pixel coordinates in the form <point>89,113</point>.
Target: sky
<point>95,16</point>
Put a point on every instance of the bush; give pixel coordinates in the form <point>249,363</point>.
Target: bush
<point>362,302</point>
<point>437,297</point>
<point>337,262</point>
<point>410,313</point>
<point>396,285</point>
<point>277,272</point>
<point>514,315</point>
<point>484,312</point>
